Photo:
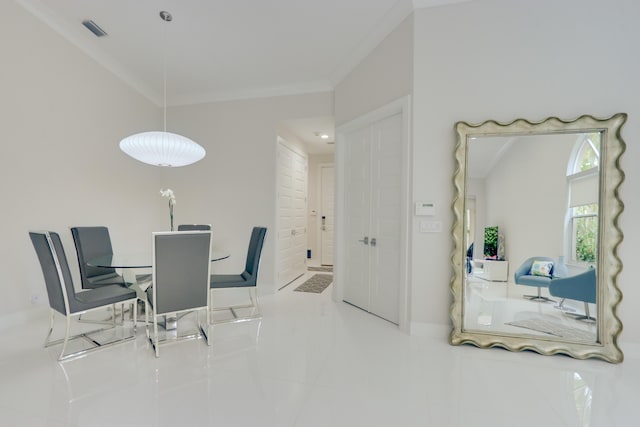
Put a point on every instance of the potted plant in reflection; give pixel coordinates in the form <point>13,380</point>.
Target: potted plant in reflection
<point>168,193</point>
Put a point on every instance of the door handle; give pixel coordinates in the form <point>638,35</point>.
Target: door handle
<point>373,241</point>
<point>365,240</point>
<point>294,232</point>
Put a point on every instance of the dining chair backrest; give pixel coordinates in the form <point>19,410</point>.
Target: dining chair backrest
<point>92,242</point>
<point>181,270</point>
<point>55,269</point>
<point>255,249</point>
<point>193,227</point>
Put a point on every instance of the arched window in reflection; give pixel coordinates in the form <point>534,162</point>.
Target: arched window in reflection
<point>583,181</point>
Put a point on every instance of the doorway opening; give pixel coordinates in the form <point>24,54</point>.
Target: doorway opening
<point>304,217</point>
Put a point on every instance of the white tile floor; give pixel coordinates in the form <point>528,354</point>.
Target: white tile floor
<point>309,362</point>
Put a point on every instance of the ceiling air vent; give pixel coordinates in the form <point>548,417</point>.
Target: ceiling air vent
<point>93,27</point>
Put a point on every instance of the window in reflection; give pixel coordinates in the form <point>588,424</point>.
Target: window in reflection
<point>584,225</point>
<point>582,179</point>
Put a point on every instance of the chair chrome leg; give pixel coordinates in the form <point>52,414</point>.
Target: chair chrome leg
<point>135,317</point>
<point>587,315</point>
<point>51,322</point>
<point>96,345</point>
<point>146,321</point>
<point>538,297</point>
<point>66,338</point>
<point>561,306</point>
<point>204,333</point>
<point>155,333</point>
<point>208,326</point>
<point>255,303</point>
<point>251,297</point>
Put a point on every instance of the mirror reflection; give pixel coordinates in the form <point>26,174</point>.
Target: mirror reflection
<point>531,235</point>
<point>536,233</point>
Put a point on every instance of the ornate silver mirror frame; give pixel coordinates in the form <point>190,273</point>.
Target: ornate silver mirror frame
<point>609,237</point>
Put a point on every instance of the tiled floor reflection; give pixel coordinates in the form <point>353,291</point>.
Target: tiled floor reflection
<point>498,306</point>
<point>309,362</point>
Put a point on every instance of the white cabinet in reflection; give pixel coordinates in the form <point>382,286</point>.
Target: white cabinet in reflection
<point>491,270</point>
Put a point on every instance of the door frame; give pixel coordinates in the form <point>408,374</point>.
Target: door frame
<point>319,197</point>
<point>400,106</point>
<point>281,141</point>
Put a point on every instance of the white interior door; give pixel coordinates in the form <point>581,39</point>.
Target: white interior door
<point>386,208</point>
<point>373,217</point>
<point>292,212</point>
<point>299,233</point>
<point>357,218</point>
<point>327,186</point>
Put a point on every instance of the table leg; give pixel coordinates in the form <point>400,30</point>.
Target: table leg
<point>171,322</point>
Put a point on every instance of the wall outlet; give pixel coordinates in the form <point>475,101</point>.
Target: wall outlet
<point>430,226</point>
<point>35,299</point>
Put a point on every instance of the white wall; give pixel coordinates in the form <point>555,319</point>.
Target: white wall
<point>383,76</point>
<point>476,188</point>
<point>527,196</point>
<point>63,116</point>
<point>233,187</point>
<point>504,59</point>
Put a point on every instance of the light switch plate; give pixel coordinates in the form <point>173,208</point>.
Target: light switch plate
<point>425,208</point>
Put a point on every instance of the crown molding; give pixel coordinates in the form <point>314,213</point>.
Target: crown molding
<point>252,93</point>
<point>421,4</point>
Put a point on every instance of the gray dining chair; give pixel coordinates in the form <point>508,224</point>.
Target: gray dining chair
<point>63,298</point>
<point>247,279</point>
<point>180,284</point>
<point>194,227</point>
<point>94,242</point>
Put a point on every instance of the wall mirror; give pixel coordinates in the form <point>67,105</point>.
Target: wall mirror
<point>536,233</point>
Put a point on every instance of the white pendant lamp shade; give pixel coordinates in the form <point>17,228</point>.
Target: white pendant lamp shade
<point>162,149</point>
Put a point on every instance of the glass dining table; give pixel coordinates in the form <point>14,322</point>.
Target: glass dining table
<point>138,260</point>
<point>130,263</point>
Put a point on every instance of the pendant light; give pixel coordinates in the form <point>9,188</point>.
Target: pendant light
<point>163,148</point>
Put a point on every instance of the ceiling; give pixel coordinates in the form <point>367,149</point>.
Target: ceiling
<point>483,153</point>
<point>218,50</point>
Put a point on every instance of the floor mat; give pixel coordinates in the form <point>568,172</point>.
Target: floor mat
<point>323,268</point>
<point>555,329</point>
<point>316,284</point>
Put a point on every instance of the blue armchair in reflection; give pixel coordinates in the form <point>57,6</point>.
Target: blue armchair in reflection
<point>581,287</point>
<point>528,275</point>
